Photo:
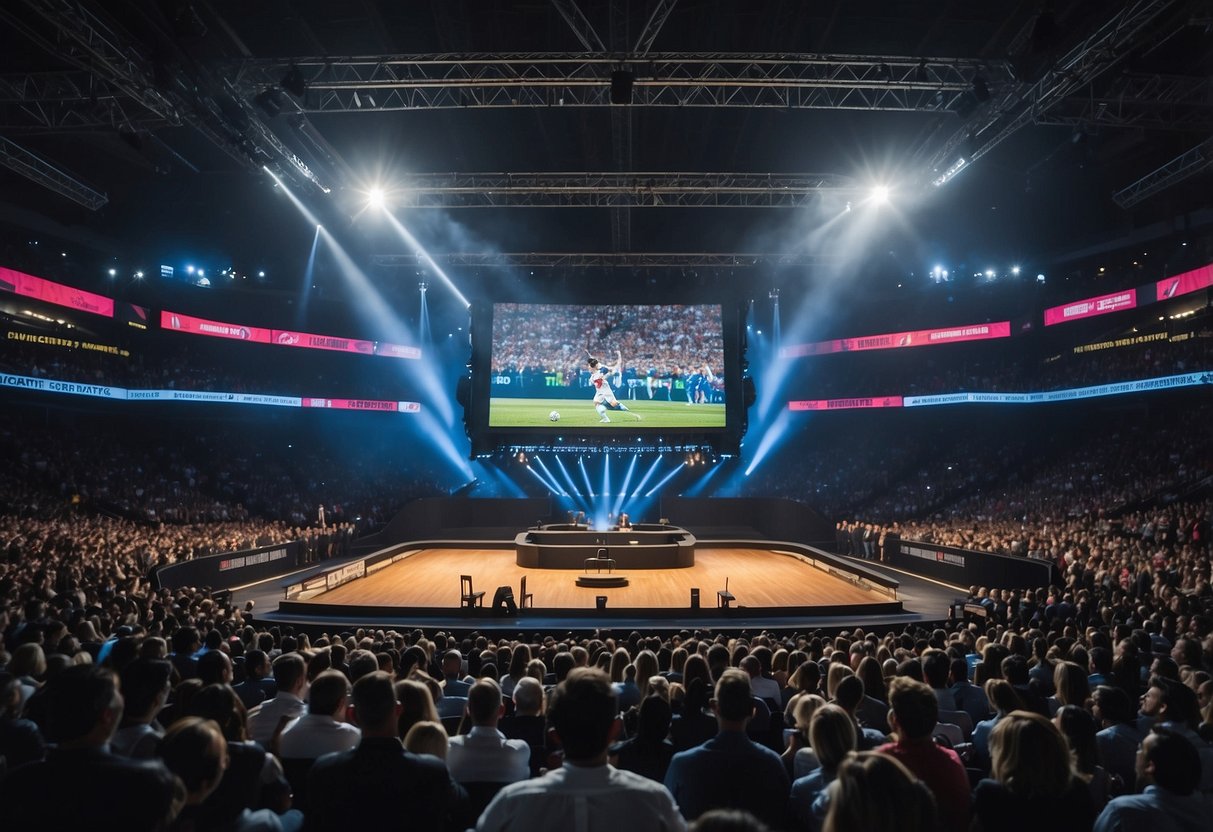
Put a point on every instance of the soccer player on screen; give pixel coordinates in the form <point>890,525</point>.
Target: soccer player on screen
<point>603,395</point>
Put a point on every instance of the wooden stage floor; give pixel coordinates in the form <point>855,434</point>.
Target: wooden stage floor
<point>758,578</point>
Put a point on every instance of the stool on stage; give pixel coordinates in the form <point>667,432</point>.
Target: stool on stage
<point>600,561</point>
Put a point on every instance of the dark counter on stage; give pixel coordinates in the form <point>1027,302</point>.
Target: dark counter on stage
<point>642,547</point>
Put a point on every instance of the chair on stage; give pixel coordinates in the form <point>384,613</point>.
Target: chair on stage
<point>468,597</point>
<point>724,597</point>
<point>600,561</point>
<point>526,599</point>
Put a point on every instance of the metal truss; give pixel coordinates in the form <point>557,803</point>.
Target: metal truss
<point>64,101</point>
<point>583,260</point>
<point>85,41</point>
<point>1172,173</point>
<point>845,82</point>
<point>581,27</point>
<point>661,13</point>
<point>610,190</point>
<point>1150,102</point>
<point>1005,114</point>
<point>38,170</point>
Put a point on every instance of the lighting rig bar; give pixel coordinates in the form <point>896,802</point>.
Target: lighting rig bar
<point>83,39</point>
<point>585,190</point>
<point>781,80</point>
<point>49,102</point>
<point>1004,114</point>
<point>1182,167</point>
<point>37,169</point>
<point>1151,102</point>
<point>572,260</point>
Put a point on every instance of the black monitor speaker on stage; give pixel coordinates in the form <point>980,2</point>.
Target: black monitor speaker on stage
<point>503,601</point>
<point>694,597</point>
<point>600,600</point>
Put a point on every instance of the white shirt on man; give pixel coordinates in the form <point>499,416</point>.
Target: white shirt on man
<point>263,719</point>
<point>484,755</point>
<point>584,799</point>
<point>314,735</point>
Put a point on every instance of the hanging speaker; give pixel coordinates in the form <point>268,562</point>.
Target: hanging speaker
<point>621,86</point>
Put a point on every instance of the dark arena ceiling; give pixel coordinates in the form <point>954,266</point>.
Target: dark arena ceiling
<point>150,125</point>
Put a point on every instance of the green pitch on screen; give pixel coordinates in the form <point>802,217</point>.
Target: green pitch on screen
<point>528,413</point>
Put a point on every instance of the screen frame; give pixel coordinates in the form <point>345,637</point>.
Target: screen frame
<point>487,440</point>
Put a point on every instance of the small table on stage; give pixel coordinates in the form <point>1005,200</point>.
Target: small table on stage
<point>724,598</point>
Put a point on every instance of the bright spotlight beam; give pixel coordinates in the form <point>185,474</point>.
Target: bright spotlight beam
<point>425,256</point>
<point>623,492</point>
<point>585,475</point>
<point>880,194</point>
<point>375,198</point>
<point>648,474</point>
<point>551,476</point>
<point>666,479</point>
<point>558,492</point>
<point>769,437</point>
<point>568,477</point>
<point>606,475</point>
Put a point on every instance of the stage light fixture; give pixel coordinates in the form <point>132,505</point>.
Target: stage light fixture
<point>981,88</point>
<point>621,86</point>
<point>294,83</point>
<point>269,101</point>
<point>375,198</point>
<point>113,272</point>
<point>189,269</point>
<point>1015,270</point>
<point>880,194</point>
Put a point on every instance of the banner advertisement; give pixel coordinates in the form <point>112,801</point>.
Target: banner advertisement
<point>347,573</point>
<point>216,329</point>
<point>71,388</point>
<point>58,294</point>
<point>1182,284</point>
<point>846,404</point>
<point>1090,307</point>
<point>396,350</point>
<point>286,338</point>
<point>896,340</point>
<point>1144,385</point>
<point>353,404</point>
<point>209,396</point>
<point>65,343</point>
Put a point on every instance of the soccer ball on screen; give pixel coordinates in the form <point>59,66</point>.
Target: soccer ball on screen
<point>554,416</point>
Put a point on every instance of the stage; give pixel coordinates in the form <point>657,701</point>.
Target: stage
<point>418,584</point>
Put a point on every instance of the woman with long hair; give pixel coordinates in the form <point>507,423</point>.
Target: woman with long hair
<point>833,737</point>
<point>876,792</point>
<point>1032,781</point>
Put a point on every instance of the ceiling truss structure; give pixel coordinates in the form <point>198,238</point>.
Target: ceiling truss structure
<point>583,260</point>
<point>611,190</point>
<point>52,102</point>
<point>83,39</point>
<point>838,82</point>
<point>1136,100</point>
<point>1004,114</point>
<point>33,167</point>
<point>1182,167</point>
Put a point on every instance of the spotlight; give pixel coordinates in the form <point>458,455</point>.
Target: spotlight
<point>981,88</point>
<point>621,86</point>
<point>1040,278</point>
<point>113,272</point>
<point>189,269</point>
<point>880,194</point>
<point>375,198</point>
<point>294,83</point>
<point>269,102</point>
<point>1015,270</point>
<point>261,274</point>
<point>139,274</point>
<point>990,273</point>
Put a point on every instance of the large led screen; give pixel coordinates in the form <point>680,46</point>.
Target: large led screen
<point>607,366</point>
